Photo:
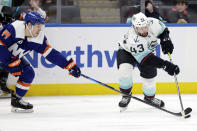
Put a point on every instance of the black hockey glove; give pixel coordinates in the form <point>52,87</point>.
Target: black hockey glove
<point>167,46</point>
<point>171,68</point>
<point>73,68</point>
<point>166,43</point>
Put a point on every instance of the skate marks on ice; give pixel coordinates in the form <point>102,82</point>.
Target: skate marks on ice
<point>97,113</point>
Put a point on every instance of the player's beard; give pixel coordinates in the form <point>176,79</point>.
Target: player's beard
<point>143,34</point>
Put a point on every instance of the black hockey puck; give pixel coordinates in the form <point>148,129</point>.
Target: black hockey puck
<point>188,116</point>
<point>188,110</point>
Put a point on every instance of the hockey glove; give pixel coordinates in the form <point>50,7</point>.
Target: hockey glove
<point>166,43</point>
<point>13,66</point>
<point>167,46</point>
<point>73,69</point>
<point>171,68</point>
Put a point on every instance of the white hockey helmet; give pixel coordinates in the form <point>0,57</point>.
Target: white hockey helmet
<point>139,20</point>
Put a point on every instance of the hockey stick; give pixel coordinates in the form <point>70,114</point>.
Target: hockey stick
<point>177,85</point>
<point>186,111</point>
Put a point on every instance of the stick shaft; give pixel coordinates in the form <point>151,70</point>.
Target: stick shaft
<point>138,99</point>
<point>177,85</point>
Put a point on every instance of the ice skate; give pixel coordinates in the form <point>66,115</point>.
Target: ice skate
<point>123,104</point>
<point>20,106</point>
<point>4,87</point>
<point>154,101</point>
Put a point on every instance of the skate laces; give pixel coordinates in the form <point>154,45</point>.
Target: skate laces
<point>125,99</point>
<point>23,102</point>
<point>156,101</point>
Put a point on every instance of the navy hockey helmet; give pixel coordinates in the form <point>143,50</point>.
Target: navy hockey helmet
<point>34,18</point>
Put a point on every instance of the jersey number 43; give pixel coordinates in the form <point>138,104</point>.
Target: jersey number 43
<point>139,48</point>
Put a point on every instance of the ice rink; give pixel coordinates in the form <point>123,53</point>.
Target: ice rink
<point>97,113</point>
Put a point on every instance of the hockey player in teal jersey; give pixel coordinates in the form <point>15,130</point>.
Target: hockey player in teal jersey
<point>137,48</point>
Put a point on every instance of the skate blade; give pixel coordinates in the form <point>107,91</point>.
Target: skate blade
<point>18,110</point>
<point>122,109</point>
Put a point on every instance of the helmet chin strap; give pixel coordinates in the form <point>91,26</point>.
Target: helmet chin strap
<point>30,30</point>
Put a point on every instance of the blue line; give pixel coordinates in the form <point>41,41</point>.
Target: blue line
<point>115,25</point>
<point>87,25</point>
<point>181,25</point>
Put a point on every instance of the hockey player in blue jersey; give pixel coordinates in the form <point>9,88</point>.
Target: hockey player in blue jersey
<point>18,39</point>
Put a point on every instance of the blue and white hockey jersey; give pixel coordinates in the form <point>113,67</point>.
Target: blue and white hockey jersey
<point>14,43</point>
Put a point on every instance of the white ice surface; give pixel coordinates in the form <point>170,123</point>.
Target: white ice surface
<point>97,113</point>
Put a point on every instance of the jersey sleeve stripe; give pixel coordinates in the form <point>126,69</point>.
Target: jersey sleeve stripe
<point>1,43</point>
<point>46,51</point>
<point>71,65</point>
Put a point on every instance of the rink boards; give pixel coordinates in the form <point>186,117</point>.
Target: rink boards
<point>94,47</point>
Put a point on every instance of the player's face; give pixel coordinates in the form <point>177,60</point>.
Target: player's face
<point>142,31</point>
<point>36,29</point>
